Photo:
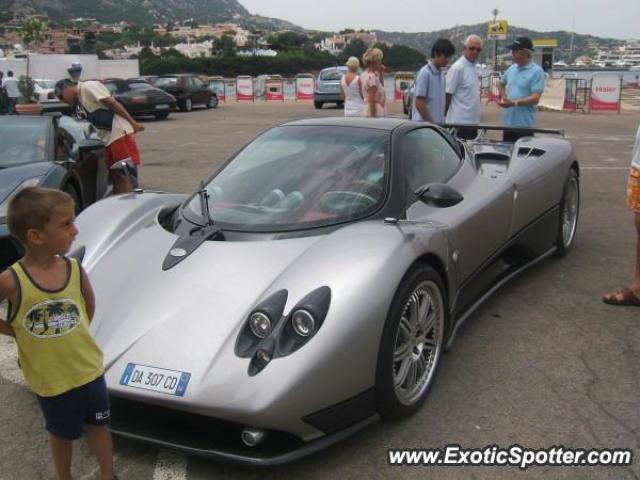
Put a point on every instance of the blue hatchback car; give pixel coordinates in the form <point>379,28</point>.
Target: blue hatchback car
<point>328,87</point>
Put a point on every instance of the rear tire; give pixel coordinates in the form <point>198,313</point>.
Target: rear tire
<point>568,218</point>
<point>412,343</point>
<point>318,105</point>
<point>213,102</point>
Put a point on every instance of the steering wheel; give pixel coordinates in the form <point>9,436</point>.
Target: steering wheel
<point>345,202</point>
<point>373,189</point>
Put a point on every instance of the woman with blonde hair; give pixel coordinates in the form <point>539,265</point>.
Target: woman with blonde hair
<point>351,89</point>
<point>375,98</point>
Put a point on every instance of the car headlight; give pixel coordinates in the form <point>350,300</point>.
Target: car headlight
<point>29,182</point>
<point>260,324</point>
<point>303,323</point>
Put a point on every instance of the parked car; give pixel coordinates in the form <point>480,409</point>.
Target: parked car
<point>45,89</point>
<point>141,99</point>
<point>144,79</point>
<point>51,151</point>
<point>312,284</point>
<point>188,89</point>
<point>327,89</point>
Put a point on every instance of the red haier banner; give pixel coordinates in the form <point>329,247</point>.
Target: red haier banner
<point>304,88</point>
<point>605,93</point>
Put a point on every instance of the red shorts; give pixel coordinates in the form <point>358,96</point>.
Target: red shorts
<point>122,149</point>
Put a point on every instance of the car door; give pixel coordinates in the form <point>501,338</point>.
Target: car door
<point>88,166</point>
<point>201,91</point>
<point>479,225</point>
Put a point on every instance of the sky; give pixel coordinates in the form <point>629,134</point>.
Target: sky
<point>603,18</point>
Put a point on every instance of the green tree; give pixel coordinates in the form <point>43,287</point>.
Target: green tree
<point>224,46</point>
<point>355,48</point>
<point>31,30</point>
<point>287,40</point>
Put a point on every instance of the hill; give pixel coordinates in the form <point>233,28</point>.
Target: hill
<point>146,12</point>
<point>582,44</point>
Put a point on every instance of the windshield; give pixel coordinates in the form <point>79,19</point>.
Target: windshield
<point>22,142</point>
<point>139,86</point>
<point>46,83</point>
<point>332,74</point>
<point>297,177</point>
<point>164,82</point>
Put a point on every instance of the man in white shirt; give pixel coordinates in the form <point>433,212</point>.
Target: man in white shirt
<point>463,87</point>
<point>115,126</point>
<point>10,85</point>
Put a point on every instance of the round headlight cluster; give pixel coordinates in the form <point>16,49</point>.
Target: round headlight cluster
<point>260,325</point>
<point>303,323</point>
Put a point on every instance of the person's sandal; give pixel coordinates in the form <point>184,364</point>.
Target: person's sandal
<point>623,298</point>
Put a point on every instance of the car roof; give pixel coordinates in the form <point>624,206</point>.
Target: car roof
<point>26,119</point>
<point>359,122</point>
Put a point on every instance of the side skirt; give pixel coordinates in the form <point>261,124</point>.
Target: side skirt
<point>491,291</point>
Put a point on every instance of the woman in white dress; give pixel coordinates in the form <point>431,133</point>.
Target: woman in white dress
<point>351,89</point>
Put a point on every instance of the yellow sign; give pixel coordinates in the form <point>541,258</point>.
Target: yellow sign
<point>498,29</point>
<point>545,42</point>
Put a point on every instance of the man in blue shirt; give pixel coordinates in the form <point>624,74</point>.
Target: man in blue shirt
<point>429,91</point>
<point>521,86</point>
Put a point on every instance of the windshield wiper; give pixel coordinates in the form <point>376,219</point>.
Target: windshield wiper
<point>204,205</point>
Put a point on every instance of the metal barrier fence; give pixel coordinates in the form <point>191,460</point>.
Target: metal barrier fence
<point>577,95</point>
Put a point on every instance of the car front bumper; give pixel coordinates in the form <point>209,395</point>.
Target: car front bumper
<point>213,438</point>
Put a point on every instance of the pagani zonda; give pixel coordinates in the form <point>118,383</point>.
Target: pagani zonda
<point>313,282</point>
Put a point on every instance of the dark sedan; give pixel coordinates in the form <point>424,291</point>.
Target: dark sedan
<point>50,151</point>
<point>141,99</point>
<point>188,89</point>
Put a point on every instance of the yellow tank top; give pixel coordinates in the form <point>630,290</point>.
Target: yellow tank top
<point>56,351</point>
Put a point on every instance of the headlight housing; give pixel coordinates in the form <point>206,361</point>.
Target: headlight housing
<point>260,324</point>
<point>267,334</point>
<point>303,323</point>
<point>29,182</point>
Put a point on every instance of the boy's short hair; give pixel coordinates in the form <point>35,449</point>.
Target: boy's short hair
<point>32,207</point>
<point>443,46</point>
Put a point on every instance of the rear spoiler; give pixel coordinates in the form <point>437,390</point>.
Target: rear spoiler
<point>511,132</point>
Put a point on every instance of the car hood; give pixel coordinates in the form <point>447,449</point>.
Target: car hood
<point>11,177</point>
<point>184,317</point>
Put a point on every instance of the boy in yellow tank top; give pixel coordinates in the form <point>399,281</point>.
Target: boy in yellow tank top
<point>51,303</point>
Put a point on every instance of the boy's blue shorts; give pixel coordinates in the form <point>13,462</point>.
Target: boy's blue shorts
<point>66,414</point>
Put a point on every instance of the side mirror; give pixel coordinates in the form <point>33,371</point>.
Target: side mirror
<point>90,145</point>
<point>124,167</point>
<point>439,195</point>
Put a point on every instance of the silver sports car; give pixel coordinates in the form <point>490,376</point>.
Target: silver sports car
<point>312,283</point>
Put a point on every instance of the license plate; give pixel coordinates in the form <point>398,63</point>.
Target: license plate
<point>162,106</point>
<point>169,382</point>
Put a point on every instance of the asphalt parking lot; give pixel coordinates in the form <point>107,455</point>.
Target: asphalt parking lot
<point>543,363</point>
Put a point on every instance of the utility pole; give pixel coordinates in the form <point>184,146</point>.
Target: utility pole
<point>495,42</point>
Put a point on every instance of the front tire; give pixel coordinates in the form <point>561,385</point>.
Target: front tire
<point>161,116</point>
<point>187,105</point>
<point>411,344</point>
<point>318,105</point>
<point>569,208</point>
